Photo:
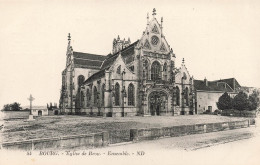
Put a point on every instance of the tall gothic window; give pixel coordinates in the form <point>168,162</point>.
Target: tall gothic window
<point>103,94</point>
<point>187,96</point>
<point>146,69</point>
<point>81,99</point>
<point>131,94</point>
<point>117,94</point>
<point>155,71</point>
<point>95,95</point>
<point>177,96</point>
<point>81,80</point>
<point>165,71</point>
<point>88,97</point>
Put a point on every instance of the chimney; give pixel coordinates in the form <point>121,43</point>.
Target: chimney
<point>206,81</point>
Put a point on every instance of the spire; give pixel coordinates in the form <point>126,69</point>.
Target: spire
<point>154,12</point>
<point>147,18</point>
<point>161,21</point>
<point>183,61</point>
<point>69,37</point>
<point>129,40</point>
<point>118,38</point>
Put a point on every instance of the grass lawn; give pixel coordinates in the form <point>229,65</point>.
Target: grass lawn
<point>54,126</point>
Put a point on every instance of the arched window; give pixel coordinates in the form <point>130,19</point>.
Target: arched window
<point>118,71</point>
<point>81,80</point>
<point>165,71</point>
<point>155,71</point>
<point>117,94</point>
<point>95,95</point>
<point>187,96</point>
<point>131,94</point>
<point>103,94</point>
<point>177,96</point>
<point>88,98</point>
<point>81,99</point>
<point>146,69</point>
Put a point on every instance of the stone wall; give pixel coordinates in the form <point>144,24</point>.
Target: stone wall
<point>103,139</point>
<point>155,133</point>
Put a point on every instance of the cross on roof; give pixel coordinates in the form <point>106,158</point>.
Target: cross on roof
<point>154,11</point>
<point>69,38</point>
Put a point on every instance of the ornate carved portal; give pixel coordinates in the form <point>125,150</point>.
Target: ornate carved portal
<point>157,103</point>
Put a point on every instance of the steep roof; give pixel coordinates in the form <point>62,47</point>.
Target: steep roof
<point>212,86</point>
<point>87,60</point>
<point>232,82</point>
<point>124,52</point>
<point>110,58</point>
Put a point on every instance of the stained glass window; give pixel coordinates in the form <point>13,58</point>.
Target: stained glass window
<point>131,94</point>
<point>117,94</point>
<point>95,95</point>
<point>155,71</point>
<point>154,40</point>
<point>103,94</point>
<point>177,96</point>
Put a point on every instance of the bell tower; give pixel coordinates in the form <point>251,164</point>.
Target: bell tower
<point>120,44</point>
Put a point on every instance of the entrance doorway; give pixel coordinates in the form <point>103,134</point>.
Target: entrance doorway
<point>157,103</point>
<point>39,113</point>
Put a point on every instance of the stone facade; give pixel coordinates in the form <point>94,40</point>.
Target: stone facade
<point>139,78</point>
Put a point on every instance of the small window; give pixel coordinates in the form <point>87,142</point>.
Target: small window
<point>132,68</point>
<point>118,71</point>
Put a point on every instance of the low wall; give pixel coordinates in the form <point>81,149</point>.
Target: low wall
<point>155,133</point>
<point>102,139</point>
<point>65,142</point>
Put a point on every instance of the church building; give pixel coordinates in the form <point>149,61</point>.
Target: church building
<point>138,79</point>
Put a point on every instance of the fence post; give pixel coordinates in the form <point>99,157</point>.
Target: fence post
<point>32,145</point>
<point>105,138</point>
<point>205,128</point>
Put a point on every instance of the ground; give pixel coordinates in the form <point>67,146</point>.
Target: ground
<point>17,129</point>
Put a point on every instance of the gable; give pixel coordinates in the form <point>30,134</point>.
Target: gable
<point>153,39</point>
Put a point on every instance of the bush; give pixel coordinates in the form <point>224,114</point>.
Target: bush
<point>12,107</point>
<point>225,102</point>
<point>217,111</point>
<point>241,101</point>
<point>253,100</point>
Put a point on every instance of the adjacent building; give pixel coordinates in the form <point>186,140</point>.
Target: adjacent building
<point>208,93</point>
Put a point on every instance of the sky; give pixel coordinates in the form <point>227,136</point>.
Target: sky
<point>217,39</point>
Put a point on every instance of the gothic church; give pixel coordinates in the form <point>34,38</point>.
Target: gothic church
<point>137,79</point>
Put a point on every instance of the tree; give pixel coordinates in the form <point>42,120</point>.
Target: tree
<point>253,100</point>
<point>241,101</point>
<point>225,102</point>
<point>7,107</point>
<point>12,107</point>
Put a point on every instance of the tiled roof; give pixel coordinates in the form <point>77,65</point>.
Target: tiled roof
<point>110,58</point>
<point>89,56</point>
<point>212,86</point>
<point>95,76</point>
<point>124,52</point>
<point>87,63</point>
<point>232,82</point>
<point>87,60</point>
